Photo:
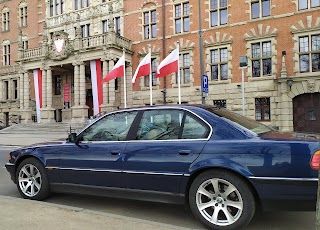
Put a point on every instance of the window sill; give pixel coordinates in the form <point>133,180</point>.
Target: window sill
<point>263,78</point>
<point>182,85</point>
<point>218,82</point>
<point>146,88</point>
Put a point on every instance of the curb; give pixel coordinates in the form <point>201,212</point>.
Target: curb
<point>97,213</point>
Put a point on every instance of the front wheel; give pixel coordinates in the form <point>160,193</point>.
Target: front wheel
<point>221,200</point>
<point>32,180</point>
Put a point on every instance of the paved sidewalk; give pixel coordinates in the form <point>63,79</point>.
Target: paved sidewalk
<point>28,139</point>
<point>21,214</point>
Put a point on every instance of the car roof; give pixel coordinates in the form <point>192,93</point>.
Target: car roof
<point>185,106</point>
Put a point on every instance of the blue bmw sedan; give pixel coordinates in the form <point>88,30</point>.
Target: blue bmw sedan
<point>222,165</point>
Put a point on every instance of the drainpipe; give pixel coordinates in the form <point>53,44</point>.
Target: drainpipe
<point>201,51</point>
<point>164,91</point>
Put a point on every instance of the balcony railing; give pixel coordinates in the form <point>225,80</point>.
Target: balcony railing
<point>97,42</point>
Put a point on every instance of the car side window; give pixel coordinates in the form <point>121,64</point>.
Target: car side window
<point>194,129</point>
<point>113,127</point>
<point>160,125</point>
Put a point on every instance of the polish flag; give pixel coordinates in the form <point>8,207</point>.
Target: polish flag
<point>169,64</point>
<point>143,68</point>
<point>96,79</point>
<point>117,70</point>
<point>37,76</point>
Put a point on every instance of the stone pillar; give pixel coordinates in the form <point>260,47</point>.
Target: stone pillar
<point>26,91</point>
<point>286,116</point>
<point>49,88</point>
<point>76,85</point>
<point>44,88</point>
<point>1,90</point>
<point>82,85</point>
<point>112,94</point>
<point>105,87</point>
<point>21,94</point>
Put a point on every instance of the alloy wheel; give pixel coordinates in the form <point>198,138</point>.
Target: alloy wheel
<point>29,180</point>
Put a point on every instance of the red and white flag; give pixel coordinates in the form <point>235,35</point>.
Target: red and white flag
<point>37,76</point>
<point>96,79</point>
<point>169,65</point>
<point>117,70</point>
<point>143,69</point>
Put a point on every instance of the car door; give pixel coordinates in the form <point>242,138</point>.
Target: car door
<point>96,160</point>
<point>162,149</point>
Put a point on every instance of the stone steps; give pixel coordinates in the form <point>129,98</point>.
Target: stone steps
<point>43,128</point>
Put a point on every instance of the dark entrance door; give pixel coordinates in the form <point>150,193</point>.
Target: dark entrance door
<point>89,102</point>
<point>306,113</point>
<point>6,119</point>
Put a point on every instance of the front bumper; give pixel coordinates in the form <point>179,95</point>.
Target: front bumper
<point>11,169</point>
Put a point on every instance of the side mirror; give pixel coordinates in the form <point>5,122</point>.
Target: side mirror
<point>72,137</point>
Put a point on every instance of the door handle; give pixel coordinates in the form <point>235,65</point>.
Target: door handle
<point>184,152</point>
<point>115,152</point>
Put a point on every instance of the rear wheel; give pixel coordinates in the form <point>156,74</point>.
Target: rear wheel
<point>32,180</point>
<point>221,200</point>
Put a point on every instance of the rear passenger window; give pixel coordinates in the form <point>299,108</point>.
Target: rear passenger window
<point>194,129</point>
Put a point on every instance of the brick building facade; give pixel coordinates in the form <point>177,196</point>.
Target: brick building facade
<point>281,40</point>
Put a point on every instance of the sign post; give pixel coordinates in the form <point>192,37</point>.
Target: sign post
<point>205,86</point>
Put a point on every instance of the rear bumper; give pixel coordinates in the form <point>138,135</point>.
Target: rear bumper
<point>287,194</point>
<point>11,169</point>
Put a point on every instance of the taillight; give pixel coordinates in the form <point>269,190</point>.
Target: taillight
<point>315,160</point>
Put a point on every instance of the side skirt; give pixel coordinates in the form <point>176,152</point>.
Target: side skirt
<point>123,193</point>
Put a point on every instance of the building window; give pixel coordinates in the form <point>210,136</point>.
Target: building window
<point>309,53</point>
<point>149,24</point>
<point>220,103</point>
<point>15,88</point>
<point>184,68</point>
<point>57,84</point>
<point>218,12</point>
<point>78,4</point>
<point>307,4</point>
<point>85,30</point>
<point>6,55</point>
<point>182,17</point>
<point>262,109</point>
<point>105,25</point>
<point>6,90</point>
<point>56,7</point>
<point>219,64</point>
<point>153,74</point>
<point>23,16</point>
<point>5,21</point>
<point>260,8</point>
<point>261,59</point>
<point>25,45</point>
<point>118,26</point>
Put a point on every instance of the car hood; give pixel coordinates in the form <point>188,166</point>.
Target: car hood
<point>48,143</point>
<point>294,136</point>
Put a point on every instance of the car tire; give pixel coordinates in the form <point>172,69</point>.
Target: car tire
<point>221,200</point>
<point>32,180</point>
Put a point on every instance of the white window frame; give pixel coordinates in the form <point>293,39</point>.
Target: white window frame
<point>85,30</point>
<point>5,20</point>
<point>261,58</point>
<point>153,74</point>
<point>309,4</point>
<point>260,8</point>
<point>219,63</point>
<point>150,24</point>
<point>309,52</point>
<point>182,17</point>
<point>23,14</point>
<point>219,9</point>
<point>6,54</point>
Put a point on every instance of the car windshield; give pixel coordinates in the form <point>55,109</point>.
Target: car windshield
<point>248,123</point>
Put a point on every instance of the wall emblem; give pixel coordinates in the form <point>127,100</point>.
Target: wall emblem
<point>61,47</point>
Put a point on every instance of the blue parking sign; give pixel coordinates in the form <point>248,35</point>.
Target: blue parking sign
<point>205,84</point>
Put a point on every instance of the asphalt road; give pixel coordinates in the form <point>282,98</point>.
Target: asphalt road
<point>162,213</point>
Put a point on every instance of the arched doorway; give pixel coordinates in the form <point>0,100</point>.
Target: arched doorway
<point>306,113</point>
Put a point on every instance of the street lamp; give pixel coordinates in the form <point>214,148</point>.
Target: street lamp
<point>201,52</point>
<point>243,65</point>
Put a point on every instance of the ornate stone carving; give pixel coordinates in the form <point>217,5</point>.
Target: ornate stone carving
<point>61,47</point>
<point>311,86</point>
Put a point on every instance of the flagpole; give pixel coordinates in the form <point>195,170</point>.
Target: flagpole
<point>179,80</point>
<point>150,76</point>
<point>124,79</point>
